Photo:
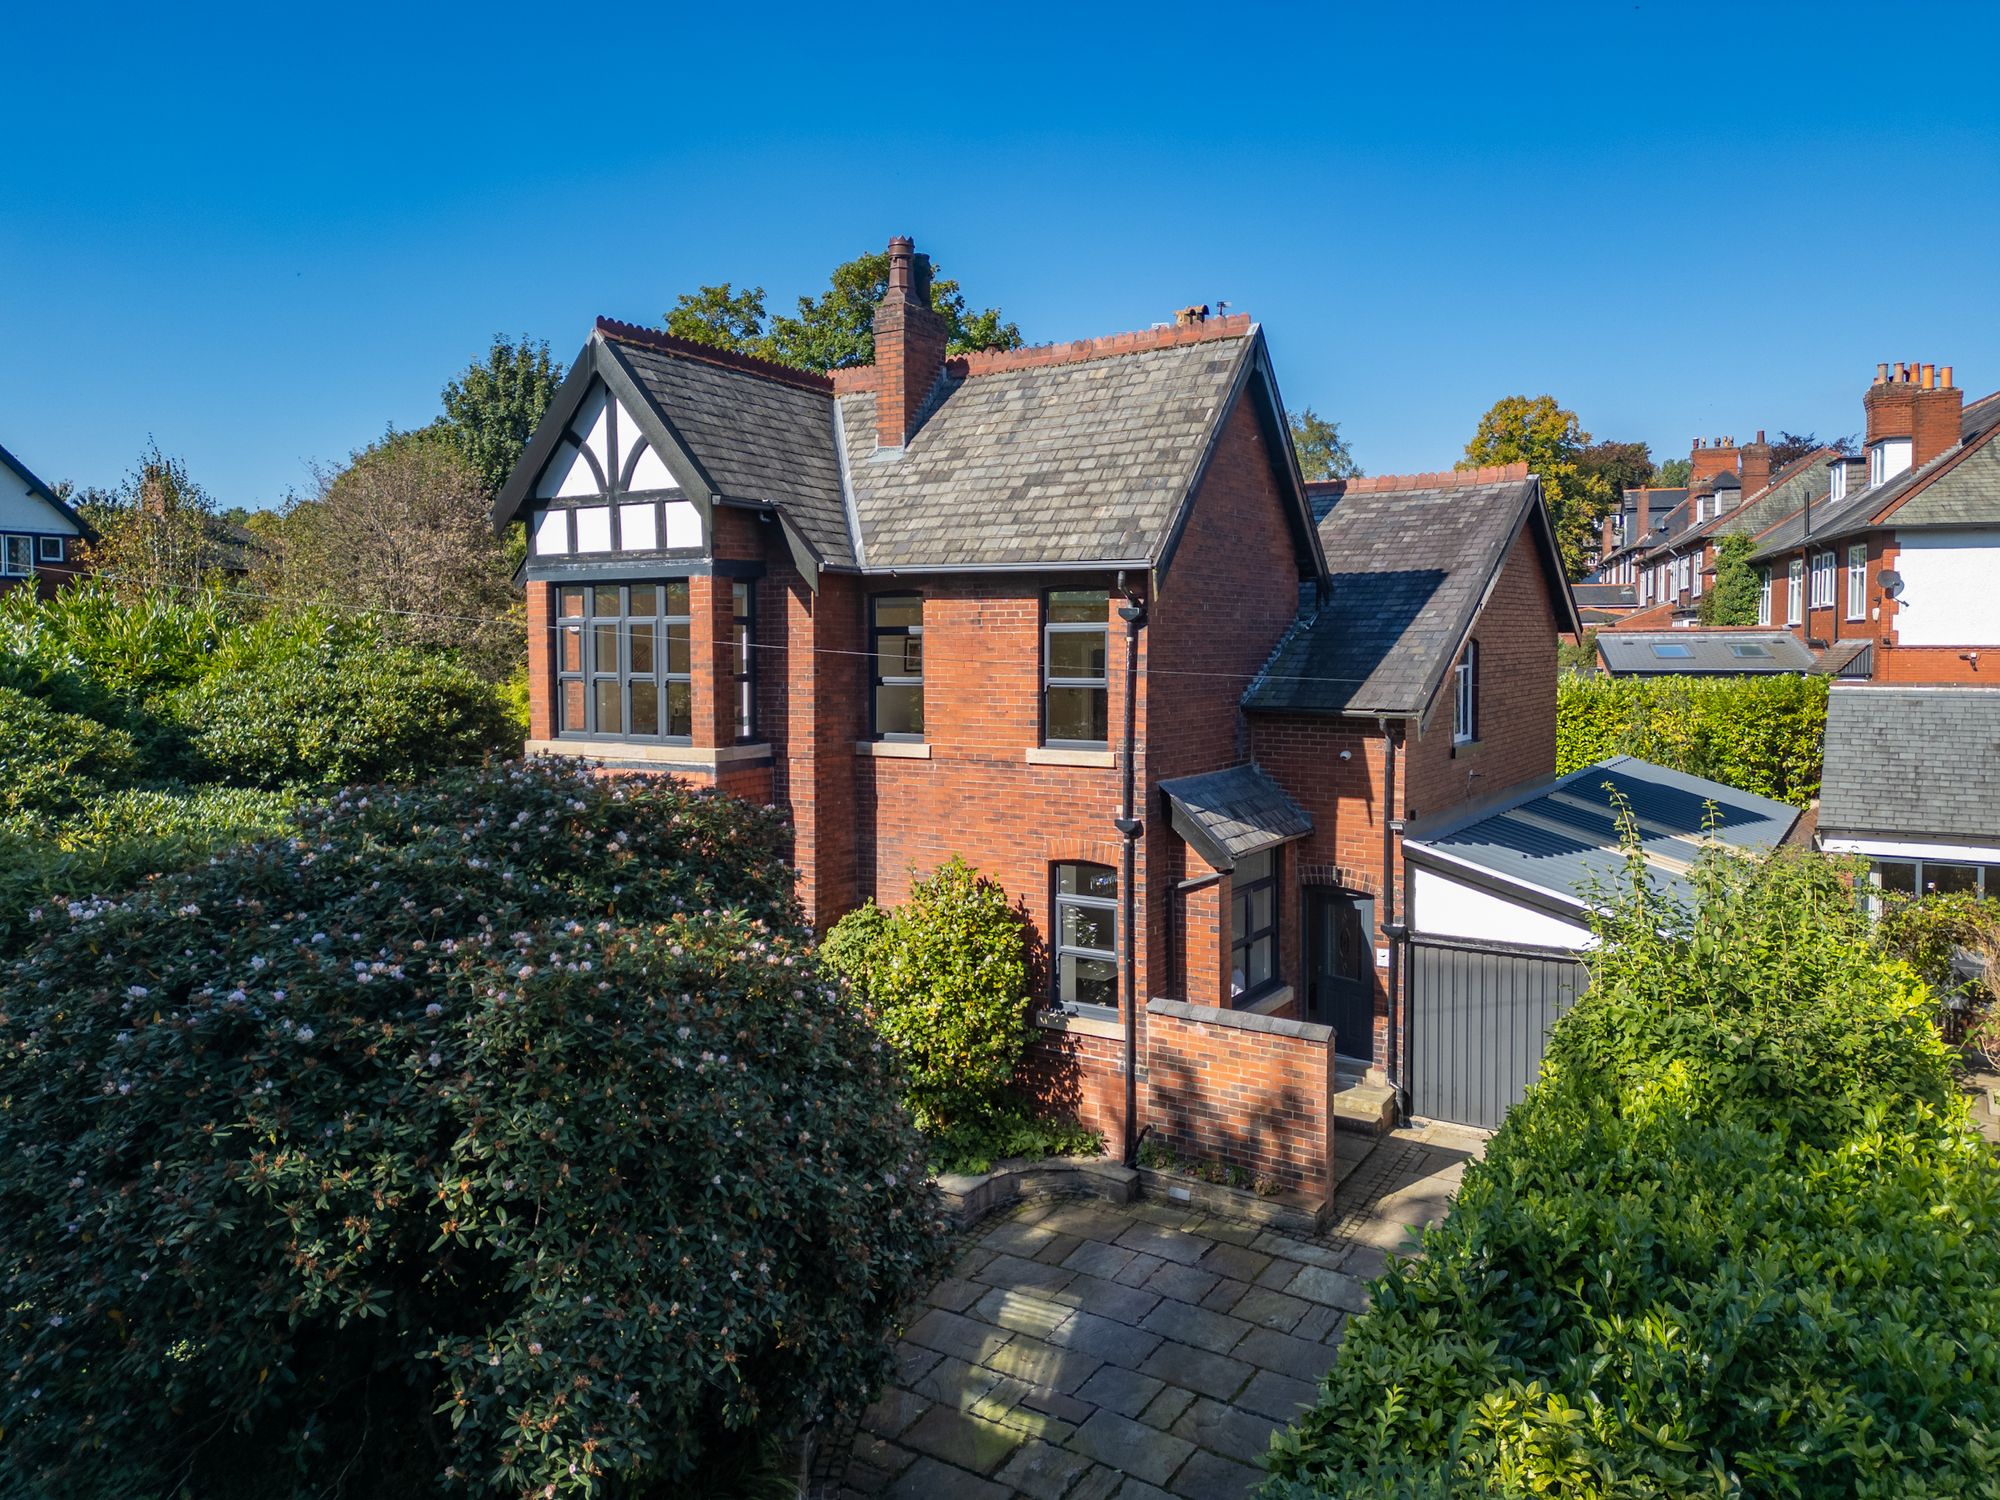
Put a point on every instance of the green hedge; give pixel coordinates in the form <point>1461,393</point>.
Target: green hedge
<point>1739,1240</point>
<point>1762,734</point>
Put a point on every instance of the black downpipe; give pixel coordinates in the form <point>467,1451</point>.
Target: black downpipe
<point>1133,613</point>
<point>1392,825</point>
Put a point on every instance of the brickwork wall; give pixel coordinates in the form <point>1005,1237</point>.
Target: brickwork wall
<point>1253,1099</point>
<point>541,661</point>
<point>1079,1076</point>
<point>1938,665</point>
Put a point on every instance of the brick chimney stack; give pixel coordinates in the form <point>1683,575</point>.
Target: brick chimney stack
<point>1711,456</point>
<point>910,340</point>
<point>1756,462</point>
<point>1915,402</point>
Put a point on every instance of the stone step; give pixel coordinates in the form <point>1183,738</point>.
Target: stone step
<point>1364,1106</point>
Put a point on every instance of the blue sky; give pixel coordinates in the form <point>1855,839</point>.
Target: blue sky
<point>261,236</point>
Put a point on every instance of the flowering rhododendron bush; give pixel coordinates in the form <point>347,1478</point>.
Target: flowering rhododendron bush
<point>496,1135</point>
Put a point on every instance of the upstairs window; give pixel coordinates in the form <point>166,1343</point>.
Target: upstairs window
<point>1076,696</point>
<point>1465,705</point>
<point>49,549</point>
<point>743,664</point>
<point>1764,596</point>
<point>622,661</point>
<point>896,647</point>
<point>1086,947</point>
<point>1822,580</point>
<point>1837,485</point>
<point>1795,591</point>
<point>1857,581</point>
<point>1253,925</point>
<point>17,556</point>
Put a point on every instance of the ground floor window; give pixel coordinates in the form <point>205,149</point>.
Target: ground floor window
<point>1929,877</point>
<point>622,661</point>
<point>1253,926</point>
<point>17,556</point>
<point>743,612</point>
<point>1086,946</point>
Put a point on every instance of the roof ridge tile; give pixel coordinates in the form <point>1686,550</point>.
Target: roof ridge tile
<point>728,359</point>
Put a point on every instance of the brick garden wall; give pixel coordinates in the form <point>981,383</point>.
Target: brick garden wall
<point>1250,1091</point>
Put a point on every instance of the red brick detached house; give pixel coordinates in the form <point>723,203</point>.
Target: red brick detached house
<point>1036,608</point>
<point>41,536</point>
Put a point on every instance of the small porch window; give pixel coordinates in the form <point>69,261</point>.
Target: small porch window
<point>1253,926</point>
<point>1086,945</point>
<point>1076,697</point>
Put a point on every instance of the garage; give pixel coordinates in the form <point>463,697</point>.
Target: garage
<point>1499,896</point>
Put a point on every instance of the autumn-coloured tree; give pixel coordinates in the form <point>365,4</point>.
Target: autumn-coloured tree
<point>1549,439</point>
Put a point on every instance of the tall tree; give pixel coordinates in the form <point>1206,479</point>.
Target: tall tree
<point>834,329</point>
<point>1733,600</point>
<point>157,532</point>
<point>1673,473</point>
<point>1623,466</point>
<point>492,408</point>
<point>1790,447</point>
<point>1323,452</point>
<point>401,531</point>
<point>1550,440</point>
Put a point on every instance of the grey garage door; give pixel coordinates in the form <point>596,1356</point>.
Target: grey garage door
<point>1479,1016</point>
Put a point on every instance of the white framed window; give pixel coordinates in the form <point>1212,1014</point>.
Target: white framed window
<point>1857,581</point>
<point>17,556</point>
<point>1465,708</point>
<point>1645,588</point>
<point>1822,580</point>
<point>1837,489</point>
<point>1696,574</point>
<point>1764,596</point>
<point>1795,591</point>
<point>49,549</point>
<point>1887,459</point>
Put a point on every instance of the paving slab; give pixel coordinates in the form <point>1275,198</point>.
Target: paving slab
<point>1280,1396</point>
<point>1235,1261</point>
<point>1242,1435</point>
<point>963,1440</point>
<point>1021,1312</point>
<point>928,1479</point>
<point>1131,1447</point>
<point>1043,1471</point>
<point>1182,1283</point>
<point>1214,1375</point>
<point>1169,1244</point>
<point>1216,1332</point>
<point>1106,1339</point>
<point>1128,1304</point>
<point>1016,1274</point>
<point>1035,1363</point>
<point>1210,1476</point>
<point>1124,1391</point>
<point>1263,1308</point>
<point>1334,1288</point>
<point>1165,1409</point>
<point>955,1334</point>
<point>1302,1359</point>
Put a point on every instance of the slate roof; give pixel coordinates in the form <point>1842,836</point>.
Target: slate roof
<point>1562,839</point>
<point>1694,651</point>
<point>1959,487</point>
<point>1604,595</point>
<point>1786,492</point>
<point>1408,568</point>
<point>1229,814</point>
<point>758,439</point>
<point>1064,463</point>
<point>1912,762</point>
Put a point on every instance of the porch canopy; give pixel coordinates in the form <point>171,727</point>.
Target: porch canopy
<point>1229,815</point>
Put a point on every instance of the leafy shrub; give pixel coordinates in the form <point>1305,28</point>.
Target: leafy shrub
<point>1928,931</point>
<point>1738,1240</point>
<point>312,700</point>
<point>1762,734</point>
<point>91,652</point>
<point>1012,1130</point>
<point>495,1135</point>
<point>51,761</point>
<point>946,978</point>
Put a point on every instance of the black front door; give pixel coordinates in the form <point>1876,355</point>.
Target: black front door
<point>1341,931</point>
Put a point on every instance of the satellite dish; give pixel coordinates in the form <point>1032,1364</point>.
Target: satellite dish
<point>1892,582</point>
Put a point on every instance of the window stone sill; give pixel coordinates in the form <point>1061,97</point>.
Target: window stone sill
<point>1042,755</point>
<point>893,749</point>
<point>626,752</point>
<point>1055,1020</point>
<point>1269,1004</point>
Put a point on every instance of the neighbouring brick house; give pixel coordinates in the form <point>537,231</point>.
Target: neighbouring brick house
<point>900,601</point>
<point>41,536</point>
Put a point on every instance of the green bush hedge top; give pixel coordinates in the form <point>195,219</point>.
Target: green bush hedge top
<point>494,1136</point>
<point>1762,734</point>
<point>1739,1240</point>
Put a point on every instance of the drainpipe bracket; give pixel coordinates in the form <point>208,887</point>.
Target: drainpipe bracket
<point>1130,827</point>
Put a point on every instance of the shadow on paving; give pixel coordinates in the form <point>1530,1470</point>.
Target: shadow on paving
<point>1081,1350</point>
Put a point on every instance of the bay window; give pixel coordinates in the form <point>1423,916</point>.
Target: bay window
<point>1253,926</point>
<point>622,661</point>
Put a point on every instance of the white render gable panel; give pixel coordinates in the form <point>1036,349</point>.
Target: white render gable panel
<point>600,445</point>
<point>1443,907</point>
<point>21,509</point>
<point>1948,596</point>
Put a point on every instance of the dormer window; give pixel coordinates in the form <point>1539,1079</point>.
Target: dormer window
<point>1887,459</point>
<point>1839,490</point>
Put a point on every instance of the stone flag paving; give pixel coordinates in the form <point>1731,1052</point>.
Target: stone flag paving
<point>1081,1350</point>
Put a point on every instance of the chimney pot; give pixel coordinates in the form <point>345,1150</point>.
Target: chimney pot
<point>1899,376</point>
<point>1760,434</point>
<point>1882,374</point>
<point>1944,377</point>
<point>1930,377</point>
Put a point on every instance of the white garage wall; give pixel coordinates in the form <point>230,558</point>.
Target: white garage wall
<point>1948,596</point>
<point>1442,907</point>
